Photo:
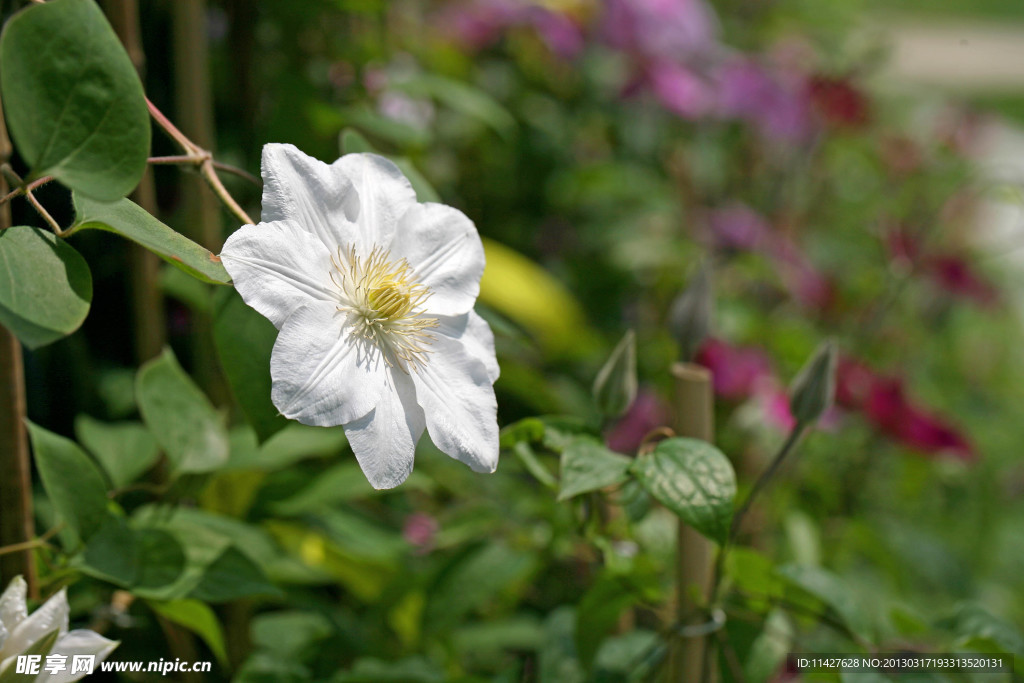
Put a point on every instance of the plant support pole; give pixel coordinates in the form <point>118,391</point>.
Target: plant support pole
<point>16,524</point>
<point>693,417</point>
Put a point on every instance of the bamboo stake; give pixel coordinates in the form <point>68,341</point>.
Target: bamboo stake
<point>16,523</point>
<point>194,106</point>
<point>693,417</point>
<point>144,266</point>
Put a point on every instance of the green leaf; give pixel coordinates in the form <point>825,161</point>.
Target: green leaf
<point>124,449</point>
<point>131,221</point>
<point>198,618</point>
<point>598,613</point>
<point>46,286</point>
<point>75,106</point>
<point>463,98</point>
<point>73,482</point>
<point>161,559</point>
<point>290,634</point>
<point>137,559</point>
<point>694,480</point>
<point>410,670</point>
<point>475,579</point>
<point>979,627</point>
<point>244,340</point>
<point>833,591</point>
<point>182,419</point>
<point>341,483</point>
<point>231,576</point>
<point>112,553</point>
<point>528,458</point>
<point>588,466</point>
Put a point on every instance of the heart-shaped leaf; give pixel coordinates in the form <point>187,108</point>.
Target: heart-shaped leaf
<point>693,479</point>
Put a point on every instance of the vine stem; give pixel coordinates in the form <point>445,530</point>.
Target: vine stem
<point>220,166</point>
<point>18,191</point>
<point>201,158</point>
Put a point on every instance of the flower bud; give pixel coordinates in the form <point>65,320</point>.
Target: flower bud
<point>812,389</point>
<point>615,386</point>
<point>689,319</point>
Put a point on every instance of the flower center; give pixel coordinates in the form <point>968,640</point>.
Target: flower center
<point>383,303</point>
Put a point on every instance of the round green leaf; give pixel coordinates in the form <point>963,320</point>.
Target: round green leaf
<point>131,221</point>
<point>179,415</point>
<point>72,481</point>
<point>693,479</point>
<point>75,106</point>
<point>46,287</point>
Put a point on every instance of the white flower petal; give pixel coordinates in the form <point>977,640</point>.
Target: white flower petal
<point>52,615</point>
<point>384,441</point>
<point>278,267</point>
<point>80,642</point>
<point>321,375</point>
<point>384,195</point>
<point>317,196</point>
<point>475,335</point>
<point>13,609</point>
<point>454,388</point>
<point>444,249</point>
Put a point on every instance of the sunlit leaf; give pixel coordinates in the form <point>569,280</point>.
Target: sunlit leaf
<point>182,419</point>
<point>46,286</point>
<point>131,221</point>
<point>588,466</point>
<point>694,480</point>
<point>198,618</point>
<point>75,106</point>
<point>73,482</point>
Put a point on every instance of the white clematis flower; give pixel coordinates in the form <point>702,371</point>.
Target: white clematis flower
<point>373,296</point>
<point>19,631</point>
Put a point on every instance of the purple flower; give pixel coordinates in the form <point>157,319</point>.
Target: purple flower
<point>419,531</point>
<point>678,30</point>
<point>481,23</point>
<point>680,90</point>
<point>736,371</point>
<point>737,226</point>
<point>647,413</point>
<point>777,107</point>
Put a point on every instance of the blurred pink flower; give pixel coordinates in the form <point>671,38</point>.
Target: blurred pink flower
<point>774,403</point>
<point>676,30</point>
<point>648,412</point>
<point>774,103</point>
<point>679,89</point>
<point>883,401</point>
<point>419,531</point>
<point>955,276</point>
<point>839,102</point>
<point>736,370</point>
<point>480,23</point>
<point>737,226</point>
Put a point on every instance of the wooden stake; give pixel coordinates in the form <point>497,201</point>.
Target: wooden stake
<point>16,523</point>
<point>693,417</point>
<point>144,266</point>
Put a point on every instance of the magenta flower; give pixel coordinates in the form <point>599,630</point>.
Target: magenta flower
<point>736,370</point>
<point>737,226</point>
<point>648,412</point>
<point>775,103</point>
<point>676,30</point>
<point>419,531</point>
<point>883,401</point>
<point>481,23</point>
<point>955,276</point>
<point>680,89</point>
